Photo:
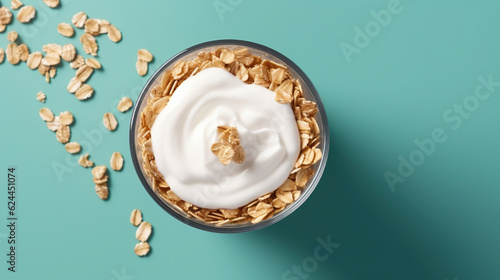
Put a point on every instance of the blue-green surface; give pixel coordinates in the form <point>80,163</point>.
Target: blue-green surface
<point>390,91</point>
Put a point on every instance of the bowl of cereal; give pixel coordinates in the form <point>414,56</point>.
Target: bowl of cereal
<point>229,136</point>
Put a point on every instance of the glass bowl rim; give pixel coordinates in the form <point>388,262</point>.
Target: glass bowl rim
<point>251,227</point>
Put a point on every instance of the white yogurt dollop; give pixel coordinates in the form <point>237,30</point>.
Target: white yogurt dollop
<point>185,129</point>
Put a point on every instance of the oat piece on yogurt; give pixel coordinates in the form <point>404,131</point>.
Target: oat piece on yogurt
<point>228,147</point>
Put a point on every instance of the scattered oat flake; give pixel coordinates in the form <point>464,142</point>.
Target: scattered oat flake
<point>52,48</point>
<point>84,92</point>
<point>73,147</point>
<point>99,171</point>
<point>78,62</point>
<point>26,13</point>
<point>79,19</point>
<point>84,161</point>
<point>2,55</point>
<point>55,124</point>
<point>46,114</point>
<point>142,249</point>
<point>103,26</point>
<point>92,27</point>
<point>5,17</point>
<point>143,231</point>
<point>142,67</point>
<point>51,59</point>
<point>68,52</point>
<point>74,84</point>
<point>89,44</point>
<point>136,217</point>
<point>94,63</point>
<point>116,161</point>
<point>23,52</point>
<point>63,134</point>
<point>124,104</point>
<point>12,36</point>
<point>102,191</point>
<point>40,96</point>
<point>145,55</point>
<point>51,3</point>
<point>109,121</point>
<point>15,4</point>
<point>114,34</point>
<point>66,118</point>
<point>65,29</point>
<point>83,73</point>
<point>103,180</point>
<point>12,54</point>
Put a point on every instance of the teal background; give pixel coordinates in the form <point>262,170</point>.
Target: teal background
<point>440,223</point>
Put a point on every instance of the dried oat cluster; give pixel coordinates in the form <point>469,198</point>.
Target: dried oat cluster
<point>60,124</point>
<point>228,147</point>
<point>250,69</point>
<point>54,54</point>
<point>101,181</point>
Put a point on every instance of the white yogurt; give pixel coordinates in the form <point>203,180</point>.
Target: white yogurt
<point>185,129</point>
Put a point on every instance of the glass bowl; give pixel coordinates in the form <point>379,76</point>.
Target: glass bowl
<point>190,53</point>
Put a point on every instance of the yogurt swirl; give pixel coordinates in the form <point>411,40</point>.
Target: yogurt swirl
<point>186,128</point>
